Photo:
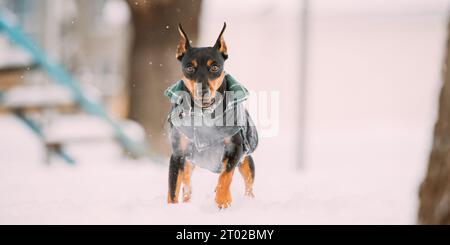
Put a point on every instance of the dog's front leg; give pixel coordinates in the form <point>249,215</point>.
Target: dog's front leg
<point>247,169</point>
<point>175,177</point>
<point>232,157</point>
<point>187,189</point>
<point>223,193</point>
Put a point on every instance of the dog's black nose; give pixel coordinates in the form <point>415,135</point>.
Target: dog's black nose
<point>205,92</point>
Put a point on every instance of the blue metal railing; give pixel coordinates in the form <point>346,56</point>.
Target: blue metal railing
<point>60,75</point>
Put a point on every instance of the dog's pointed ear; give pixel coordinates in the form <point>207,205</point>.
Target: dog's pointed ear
<point>220,43</point>
<point>184,44</point>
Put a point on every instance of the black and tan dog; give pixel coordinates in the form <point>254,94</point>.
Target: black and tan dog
<point>203,80</point>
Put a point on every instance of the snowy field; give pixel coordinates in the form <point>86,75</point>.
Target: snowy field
<point>103,189</point>
<point>372,95</point>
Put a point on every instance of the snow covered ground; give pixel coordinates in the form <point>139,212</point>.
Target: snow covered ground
<point>106,189</point>
<point>372,93</point>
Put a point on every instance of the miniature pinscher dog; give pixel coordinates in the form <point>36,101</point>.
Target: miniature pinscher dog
<point>203,77</point>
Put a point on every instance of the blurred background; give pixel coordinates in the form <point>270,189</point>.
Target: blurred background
<point>346,92</point>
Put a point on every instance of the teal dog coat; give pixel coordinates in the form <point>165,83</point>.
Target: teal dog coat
<point>207,128</point>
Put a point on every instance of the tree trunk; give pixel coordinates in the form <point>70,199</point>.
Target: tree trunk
<point>435,189</point>
<point>153,66</point>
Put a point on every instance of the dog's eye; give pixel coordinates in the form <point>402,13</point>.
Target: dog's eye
<point>214,68</point>
<point>190,69</point>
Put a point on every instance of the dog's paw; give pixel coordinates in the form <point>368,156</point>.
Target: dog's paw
<point>186,198</point>
<point>223,205</point>
<point>172,201</point>
<point>249,194</point>
<point>223,199</point>
<point>186,194</point>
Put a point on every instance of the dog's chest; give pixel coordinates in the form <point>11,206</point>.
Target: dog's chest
<point>206,146</point>
<point>209,158</point>
<point>207,141</point>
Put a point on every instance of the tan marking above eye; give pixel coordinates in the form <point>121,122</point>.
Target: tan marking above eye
<point>194,63</point>
<point>210,62</point>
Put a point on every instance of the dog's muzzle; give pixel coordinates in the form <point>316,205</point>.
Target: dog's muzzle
<point>203,96</point>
